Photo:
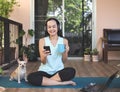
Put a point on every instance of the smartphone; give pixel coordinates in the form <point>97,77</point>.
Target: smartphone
<point>47,48</point>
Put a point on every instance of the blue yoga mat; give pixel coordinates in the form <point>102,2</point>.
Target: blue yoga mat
<point>80,81</point>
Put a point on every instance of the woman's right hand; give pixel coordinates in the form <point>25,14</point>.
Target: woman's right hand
<point>44,55</point>
<point>46,52</point>
<point>42,51</point>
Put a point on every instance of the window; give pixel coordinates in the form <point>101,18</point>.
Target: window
<point>75,17</point>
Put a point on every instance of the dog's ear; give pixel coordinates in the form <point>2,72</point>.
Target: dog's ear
<point>25,59</point>
<point>18,60</point>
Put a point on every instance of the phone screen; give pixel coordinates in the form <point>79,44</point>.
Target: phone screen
<point>47,48</point>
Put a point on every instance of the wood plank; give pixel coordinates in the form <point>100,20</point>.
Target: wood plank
<point>93,69</point>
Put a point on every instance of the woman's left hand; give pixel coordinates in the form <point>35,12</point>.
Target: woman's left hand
<point>65,54</point>
<point>67,49</point>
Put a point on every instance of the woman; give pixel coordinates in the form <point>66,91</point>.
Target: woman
<point>51,70</point>
<point>2,89</point>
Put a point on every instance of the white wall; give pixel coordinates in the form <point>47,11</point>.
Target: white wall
<point>22,13</point>
<point>25,15</point>
<point>107,16</point>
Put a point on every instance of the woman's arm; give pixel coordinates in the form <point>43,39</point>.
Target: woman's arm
<point>65,54</point>
<point>42,51</point>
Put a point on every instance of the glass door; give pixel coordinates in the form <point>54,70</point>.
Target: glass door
<point>78,26</point>
<point>75,18</point>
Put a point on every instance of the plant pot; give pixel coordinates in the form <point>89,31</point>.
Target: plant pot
<point>95,58</point>
<point>87,58</point>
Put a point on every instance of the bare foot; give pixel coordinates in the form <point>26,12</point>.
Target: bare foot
<point>2,89</point>
<point>69,82</point>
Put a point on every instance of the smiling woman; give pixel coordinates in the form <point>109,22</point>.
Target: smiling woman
<point>52,71</point>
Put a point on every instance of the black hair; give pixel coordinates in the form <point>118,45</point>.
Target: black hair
<point>58,26</point>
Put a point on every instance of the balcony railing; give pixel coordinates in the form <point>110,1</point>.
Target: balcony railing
<point>9,31</point>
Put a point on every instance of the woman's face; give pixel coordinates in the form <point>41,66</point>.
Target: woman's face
<point>52,27</point>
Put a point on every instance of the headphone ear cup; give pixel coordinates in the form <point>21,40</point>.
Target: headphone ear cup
<point>60,31</point>
<point>59,27</point>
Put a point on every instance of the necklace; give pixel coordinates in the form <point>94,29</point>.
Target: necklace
<point>54,41</point>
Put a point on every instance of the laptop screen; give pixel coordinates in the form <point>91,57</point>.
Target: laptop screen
<point>108,82</point>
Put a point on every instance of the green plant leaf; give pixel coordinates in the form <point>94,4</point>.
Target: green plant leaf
<point>95,51</point>
<point>21,33</point>
<point>87,51</point>
<point>30,32</point>
<point>1,70</point>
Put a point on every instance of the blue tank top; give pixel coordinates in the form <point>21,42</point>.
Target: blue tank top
<point>54,61</point>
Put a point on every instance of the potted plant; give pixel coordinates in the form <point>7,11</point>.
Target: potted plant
<point>95,53</point>
<point>29,51</point>
<point>26,50</point>
<point>1,71</point>
<point>87,54</point>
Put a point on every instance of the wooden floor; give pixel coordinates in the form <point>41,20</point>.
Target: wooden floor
<point>82,69</point>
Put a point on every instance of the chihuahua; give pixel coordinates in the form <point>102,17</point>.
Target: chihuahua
<point>20,72</point>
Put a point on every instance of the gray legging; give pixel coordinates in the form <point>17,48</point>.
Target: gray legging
<point>65,74</point>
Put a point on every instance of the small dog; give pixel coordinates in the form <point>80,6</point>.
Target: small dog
<point>20,72</point>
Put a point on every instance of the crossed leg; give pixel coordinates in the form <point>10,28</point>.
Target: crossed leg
<point>55,80</point>
<point>62,77</point>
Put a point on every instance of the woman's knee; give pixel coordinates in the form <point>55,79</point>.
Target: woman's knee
<point>34,79</point>
<point>71,71</point>
<point>30,77</point>
<point>67,73</point>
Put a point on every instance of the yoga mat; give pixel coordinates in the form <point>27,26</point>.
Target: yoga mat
<point>80,81</point>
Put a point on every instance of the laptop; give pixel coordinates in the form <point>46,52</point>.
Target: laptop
<point>99,88</point>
